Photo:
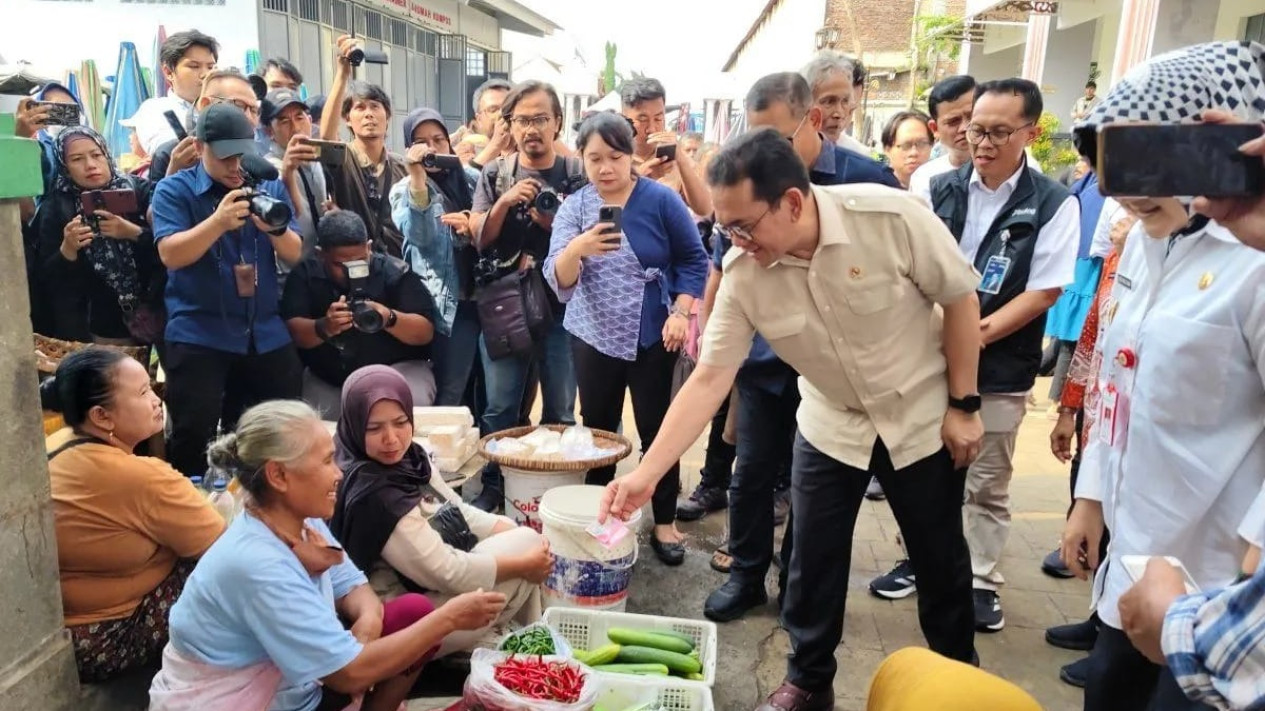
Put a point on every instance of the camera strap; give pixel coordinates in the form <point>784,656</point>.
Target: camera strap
<point>311,197</point>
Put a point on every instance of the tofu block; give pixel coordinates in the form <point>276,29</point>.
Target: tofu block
<point>426,419</point>
<point>446,438</point>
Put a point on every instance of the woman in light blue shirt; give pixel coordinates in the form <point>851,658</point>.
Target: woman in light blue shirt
<point>258,623</point>
<point>628,295</point>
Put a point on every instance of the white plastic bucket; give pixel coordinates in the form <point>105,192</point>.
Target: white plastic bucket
<point>585,573</point>
<point>523,490</point>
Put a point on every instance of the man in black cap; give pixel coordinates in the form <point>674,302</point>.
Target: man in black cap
<point>227,347</point>
<point>287,122</point>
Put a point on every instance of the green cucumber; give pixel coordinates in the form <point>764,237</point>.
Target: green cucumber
<point>654,640</point>
<point>695,677</point>
<point>605,654</point>
<point>676,662</point>
<point>639,669</point>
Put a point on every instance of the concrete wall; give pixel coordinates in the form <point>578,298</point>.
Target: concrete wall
<point>1003,64</point>
<point>1231,19</point>
<point>1068,55</point>
<point>785,42</point>
<point>1181,23</point>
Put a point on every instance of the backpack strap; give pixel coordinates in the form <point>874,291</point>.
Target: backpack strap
<point>506,171</point>
<point>72,444</point>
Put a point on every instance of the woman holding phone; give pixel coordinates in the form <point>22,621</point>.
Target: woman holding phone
<point>627,260</point>
<point>95,275</point>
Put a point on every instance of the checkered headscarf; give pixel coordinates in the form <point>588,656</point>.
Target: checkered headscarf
<point>1179,85</point>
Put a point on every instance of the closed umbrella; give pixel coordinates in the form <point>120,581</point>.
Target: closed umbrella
<point>128,94</point>
<point>90,94</point>
<point>160,80</point>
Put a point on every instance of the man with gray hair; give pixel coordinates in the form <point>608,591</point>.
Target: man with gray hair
<point>487,102</point>
<point>836,81</point>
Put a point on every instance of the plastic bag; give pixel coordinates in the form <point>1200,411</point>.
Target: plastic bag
<point>484,693</point>
<point>560,646</point>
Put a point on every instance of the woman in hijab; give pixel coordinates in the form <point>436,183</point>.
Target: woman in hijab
<point>1172,464</point>
<point>95,273</point>
<point>408,530</point>
<point>431,207</point>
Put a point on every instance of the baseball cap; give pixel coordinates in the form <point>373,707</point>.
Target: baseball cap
<point>277,100</point>
<point>225,129</point>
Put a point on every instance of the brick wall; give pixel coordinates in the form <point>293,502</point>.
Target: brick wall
<point>882,25</point>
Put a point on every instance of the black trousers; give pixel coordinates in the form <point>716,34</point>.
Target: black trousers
<point>718,460</point>
<point>207,388</point>
<point>602,380</point>
<point>1121,679</point>
<point>926,498</point>
<point>766,439</point>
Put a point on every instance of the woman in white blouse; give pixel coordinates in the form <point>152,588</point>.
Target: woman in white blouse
<point>1172,464</point>
<point>408,530</point>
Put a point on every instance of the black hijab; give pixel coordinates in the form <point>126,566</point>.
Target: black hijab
<point>373,497</point>
<point>452,183</point>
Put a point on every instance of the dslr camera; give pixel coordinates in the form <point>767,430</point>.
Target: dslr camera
<point>271,211</point>
<point>364,317</point>
<point>549,199</point>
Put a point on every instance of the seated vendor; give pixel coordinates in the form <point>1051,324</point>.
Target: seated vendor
<point>128,527</point>
<point>409,529</point>
<point>260,622</point>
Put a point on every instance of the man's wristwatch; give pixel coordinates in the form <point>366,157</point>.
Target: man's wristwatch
<point>392,319</point>
<point>676,310</point>
<point>969,404</point>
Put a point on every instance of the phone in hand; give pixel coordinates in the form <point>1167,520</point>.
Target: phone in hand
<point>175,124</point>
<point>116,202</point>
<point>60,114</point>
<point>1152,160</point>
<point>667,152</point>
<point>613,214</point>
<point>1135,568</point>
<point>331,153</point>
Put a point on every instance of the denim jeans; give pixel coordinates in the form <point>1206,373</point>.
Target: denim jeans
<point>453,355</point>
<point>506,379</point>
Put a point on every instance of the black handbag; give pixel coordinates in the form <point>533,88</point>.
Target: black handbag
<point>514,312</point>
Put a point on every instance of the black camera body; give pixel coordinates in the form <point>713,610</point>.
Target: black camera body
<point>441,161</point>
<point>271,211</point>
<point>360,55</point>
<point>549,199</point>
<point>364,317</point>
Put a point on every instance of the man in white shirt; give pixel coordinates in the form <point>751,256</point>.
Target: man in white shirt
<point>187,57</point>
<point>1020,229</point>
<point>949,104</point>
<point>836,81</point>
<point>1086,104</point>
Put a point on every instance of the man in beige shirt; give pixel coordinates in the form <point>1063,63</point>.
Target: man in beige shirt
<point>862,291</point>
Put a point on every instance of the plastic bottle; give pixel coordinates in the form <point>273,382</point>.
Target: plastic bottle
<point>222,500</point>
<point>197,484</point>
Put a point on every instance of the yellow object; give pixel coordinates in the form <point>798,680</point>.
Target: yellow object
<point>916,679</point>
<point>1205,281</point>
<point>52,422</point>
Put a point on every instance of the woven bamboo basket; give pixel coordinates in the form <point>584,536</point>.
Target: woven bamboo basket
<point>49,353</point>
<point>602,438</point>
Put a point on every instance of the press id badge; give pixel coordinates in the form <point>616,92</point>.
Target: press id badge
<point>994,274</point>
<point>1113,417</point>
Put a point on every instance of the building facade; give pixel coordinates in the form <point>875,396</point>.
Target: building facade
<point>439,50</point>
<point>1060,45</point>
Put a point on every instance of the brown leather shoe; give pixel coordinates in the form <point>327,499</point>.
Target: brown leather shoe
<point>789,697</point>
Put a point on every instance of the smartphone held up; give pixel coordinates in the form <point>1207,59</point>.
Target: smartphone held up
<point>1195,159</point>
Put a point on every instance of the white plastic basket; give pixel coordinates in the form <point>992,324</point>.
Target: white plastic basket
<point>622,691</point>
<point>586,629</point>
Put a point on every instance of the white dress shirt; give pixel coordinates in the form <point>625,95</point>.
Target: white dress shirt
<point>852,144</point>
<point>152,128</point>
<point>1184,475</point>
<point>1053,257</point>
<point>920,181</point>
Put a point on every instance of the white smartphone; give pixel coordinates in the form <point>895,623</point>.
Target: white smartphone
<point>1135,568</point>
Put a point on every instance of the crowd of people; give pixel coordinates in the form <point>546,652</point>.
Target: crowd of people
<point>858,325</point>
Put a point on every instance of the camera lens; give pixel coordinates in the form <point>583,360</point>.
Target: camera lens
<point>441,161</point>
<point>272,211</point>
<point>365,318</point>
<point>355,57</point>
<point>547,202</point>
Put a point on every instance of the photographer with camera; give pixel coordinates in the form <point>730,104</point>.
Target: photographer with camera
<point>287,122</point>
<point>348,306</point>
<point>363,182</point>
<point>512,220</point>
<point>96,276</point>
<point>220,230</point>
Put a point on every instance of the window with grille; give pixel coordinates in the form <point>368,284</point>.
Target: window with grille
<point>336,13</point>
<point>373,25</point>
<point>1255,31</point>
<point>274,5</point>
<point>308,10</point>
<point>399,33</point>
<point>476,62</point>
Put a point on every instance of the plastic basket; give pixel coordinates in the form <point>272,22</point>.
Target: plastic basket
<point>622,691</point>
<point>586,629</point>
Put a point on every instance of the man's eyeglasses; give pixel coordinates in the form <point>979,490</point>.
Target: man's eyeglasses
<point>744,233</point>
<point>537,122</point>
<point>252,109</point>
<point>914,146</point>
<point>998,136</point>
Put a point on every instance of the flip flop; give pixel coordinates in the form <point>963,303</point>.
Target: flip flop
<point>721,561</point>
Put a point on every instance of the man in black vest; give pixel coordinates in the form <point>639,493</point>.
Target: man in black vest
<point>1021,230</point>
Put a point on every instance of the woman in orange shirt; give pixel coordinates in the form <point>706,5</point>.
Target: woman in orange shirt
<point>128,527</point>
